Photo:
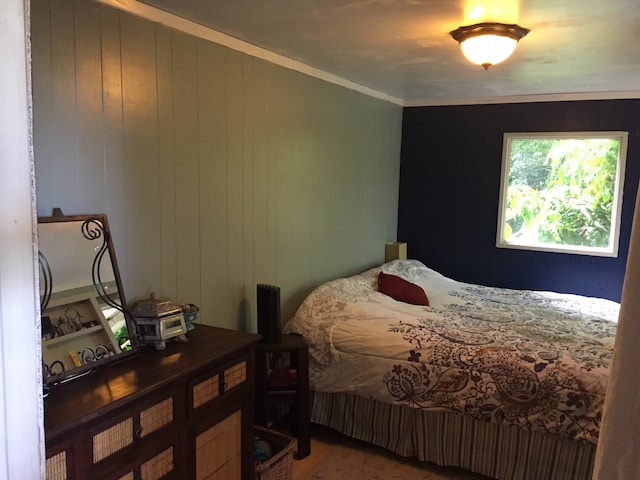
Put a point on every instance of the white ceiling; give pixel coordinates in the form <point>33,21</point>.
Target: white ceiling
<point>402,48</point>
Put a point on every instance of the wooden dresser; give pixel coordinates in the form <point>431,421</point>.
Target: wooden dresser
<point>181,413</point>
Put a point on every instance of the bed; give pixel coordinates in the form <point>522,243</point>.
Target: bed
<point>506,383</point>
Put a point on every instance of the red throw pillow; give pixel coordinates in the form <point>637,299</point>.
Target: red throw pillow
<point>401,290</point>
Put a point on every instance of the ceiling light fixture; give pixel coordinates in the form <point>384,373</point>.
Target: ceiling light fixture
<point>488,43</point>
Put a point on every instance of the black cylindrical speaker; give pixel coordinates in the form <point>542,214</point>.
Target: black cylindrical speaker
<point>268,300</point>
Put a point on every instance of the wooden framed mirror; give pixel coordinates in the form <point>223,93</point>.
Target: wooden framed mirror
<point>85,323</point>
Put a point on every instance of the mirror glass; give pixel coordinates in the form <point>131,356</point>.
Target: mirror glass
<point>84,322</point>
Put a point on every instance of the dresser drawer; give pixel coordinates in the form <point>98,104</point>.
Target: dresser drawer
<point>156,416</point>
<point>60,461</point>
<point>159,463</point>
<point>219,450</point>
<point>153,414</point>
<point>111,439</point>
<point>123,436</point>
<point>209,387</point>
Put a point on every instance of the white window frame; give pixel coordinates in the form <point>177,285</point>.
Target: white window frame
<point>612,249</point>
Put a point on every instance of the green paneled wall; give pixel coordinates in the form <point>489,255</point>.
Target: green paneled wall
<point>217,170</point>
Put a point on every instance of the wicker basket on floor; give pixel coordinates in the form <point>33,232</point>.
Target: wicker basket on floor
<point>280,465</point>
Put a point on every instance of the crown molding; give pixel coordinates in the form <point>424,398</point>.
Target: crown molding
<point>186,26</point>
<point>551,97</point>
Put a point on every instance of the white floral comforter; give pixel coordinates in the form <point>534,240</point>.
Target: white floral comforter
<point>536,360</point>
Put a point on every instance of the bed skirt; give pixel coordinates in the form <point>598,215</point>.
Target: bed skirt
<point>449,439</point>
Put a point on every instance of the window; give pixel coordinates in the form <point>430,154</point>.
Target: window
<point>562,192</point>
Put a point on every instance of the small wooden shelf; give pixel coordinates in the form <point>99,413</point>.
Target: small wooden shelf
<point>295,395</point>
<point>72,335</point>
<point>279,393</point>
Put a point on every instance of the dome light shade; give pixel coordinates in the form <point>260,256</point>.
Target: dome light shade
<point>488,43</point>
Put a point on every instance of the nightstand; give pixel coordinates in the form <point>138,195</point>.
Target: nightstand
<point>282,378</point>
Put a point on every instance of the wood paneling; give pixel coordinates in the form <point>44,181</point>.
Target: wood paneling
<point>217,170</point>
<point>451,161</point>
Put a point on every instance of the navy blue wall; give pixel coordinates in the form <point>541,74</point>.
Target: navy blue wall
<point>449,190</point>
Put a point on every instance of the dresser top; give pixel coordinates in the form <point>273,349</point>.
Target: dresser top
<point>110,386</point>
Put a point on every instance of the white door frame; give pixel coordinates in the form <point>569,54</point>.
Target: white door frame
<point>21,408</point>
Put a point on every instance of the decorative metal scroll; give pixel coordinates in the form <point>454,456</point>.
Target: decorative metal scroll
<point>93,229</point>
<point>47,280</point>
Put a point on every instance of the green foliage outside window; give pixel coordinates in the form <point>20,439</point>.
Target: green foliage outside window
<point>561,191</point>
